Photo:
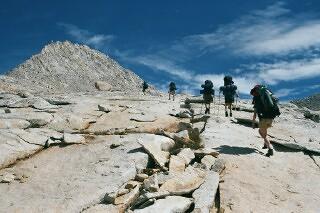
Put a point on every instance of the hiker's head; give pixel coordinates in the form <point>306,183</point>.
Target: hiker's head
<point>207,84</point>
<point>255,90</point>
<point>228,80</point>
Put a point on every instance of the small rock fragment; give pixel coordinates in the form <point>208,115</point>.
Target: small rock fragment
<point>151,184</point>
<point>73,138</point>
<point>200,153</point>
<point>129,198</point>
<point>218,166</point>
<point>141,177</point>
<point>132,184</point>
<point>104,108</point>
<point>7,178</point>
<point>187,155</point>
<point>176,165</point>
<point>150,195</point>
<point>208,161</point>
<point>116,144</point>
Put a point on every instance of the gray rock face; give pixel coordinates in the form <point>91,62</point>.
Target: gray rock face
<point>171,204</point>
<point>14,123</point>
<point>13,148</point>
<point>67,67</point>
<point>80,176</point>
<point>314,116</point>
<point>204,196</point>
<point>312,102</point>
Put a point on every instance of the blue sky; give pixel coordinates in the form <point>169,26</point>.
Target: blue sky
<point>276,43</point>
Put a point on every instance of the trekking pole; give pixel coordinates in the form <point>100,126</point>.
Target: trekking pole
<point>214,105</point>
<point>237,101</point>
<point>219,105</point>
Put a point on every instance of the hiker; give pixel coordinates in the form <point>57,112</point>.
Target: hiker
<point>172,90</point>
<point>228,91</point>
<point>265,106</point>
<point>207,92</point>
<point>144,86</point>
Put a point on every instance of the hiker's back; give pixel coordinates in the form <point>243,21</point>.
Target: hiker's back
<point>265,103</point>
<point>229,90</point>
<point>172,86</point>
<point>207,91</point>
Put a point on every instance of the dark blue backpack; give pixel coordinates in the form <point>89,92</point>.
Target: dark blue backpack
<point>229,91</point>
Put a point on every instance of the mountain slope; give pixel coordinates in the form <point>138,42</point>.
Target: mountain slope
<point>66,67</point>
<point>311,102</point>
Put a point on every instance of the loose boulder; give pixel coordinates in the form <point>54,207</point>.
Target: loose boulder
<point>102,86</point>
<point>155,145</point>
<point>185,182</point>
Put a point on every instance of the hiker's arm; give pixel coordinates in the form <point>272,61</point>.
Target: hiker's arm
<point>254,118</point>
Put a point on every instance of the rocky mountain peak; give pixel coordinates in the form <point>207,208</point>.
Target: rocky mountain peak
<point>67,67</point>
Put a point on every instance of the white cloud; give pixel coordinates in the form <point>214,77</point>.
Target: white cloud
<point>86,37</point>
<point>288,71</point>
<point>262,32</point>
<point>274,31</point>
<point>161,64</point>
<point>285,92</point>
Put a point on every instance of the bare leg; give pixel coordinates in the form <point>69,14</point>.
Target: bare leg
<point>226,109</point>
<point>263,132</point>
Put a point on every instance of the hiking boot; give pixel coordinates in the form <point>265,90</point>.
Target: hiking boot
<point>264,146</point>
<point>206,111</point>
<point>269,153</point>
<point>230,114</point>
<point>226,114</point>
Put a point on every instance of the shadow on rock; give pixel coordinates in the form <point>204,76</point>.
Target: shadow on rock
<point>236,150</point>
<point>140,149</point>
<point>281,148</point>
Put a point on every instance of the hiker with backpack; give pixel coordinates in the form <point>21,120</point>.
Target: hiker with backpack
<point>144,87</point>
<point>208,93</point>
<point>265,106</point>
<point>228,91</point>
<point>172,90</point>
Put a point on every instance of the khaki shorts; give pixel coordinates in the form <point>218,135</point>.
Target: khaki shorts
<point>172,92</point>
<point>265,123</point>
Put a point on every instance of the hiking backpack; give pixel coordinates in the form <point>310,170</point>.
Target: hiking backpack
<point>268,100</point>
<point>229,91</point>
<point>172,86</point>
<point>207,88</point>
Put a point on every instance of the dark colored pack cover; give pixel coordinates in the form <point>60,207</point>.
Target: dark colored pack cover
<point>269,101</point>
<point>229,91</point>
